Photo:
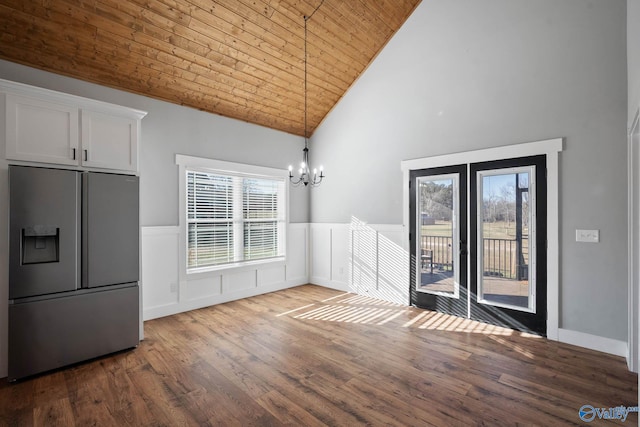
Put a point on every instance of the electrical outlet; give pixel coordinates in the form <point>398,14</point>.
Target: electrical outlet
<point>173,287</point>
<point>588,236</point>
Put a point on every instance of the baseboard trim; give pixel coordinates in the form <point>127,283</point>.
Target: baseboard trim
<point>194,304</point>
<point>593,342</point>
<point>331,284</point>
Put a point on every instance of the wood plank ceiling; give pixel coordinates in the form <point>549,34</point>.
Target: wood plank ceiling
<point>238,58</point>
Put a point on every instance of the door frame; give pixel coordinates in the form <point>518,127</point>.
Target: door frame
<point>550,148</point>
<point>633,242</point>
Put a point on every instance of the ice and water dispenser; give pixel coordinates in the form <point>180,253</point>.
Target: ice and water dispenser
<point>40,244</point>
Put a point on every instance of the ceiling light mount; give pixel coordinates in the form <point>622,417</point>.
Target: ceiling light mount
<point>304,173</point>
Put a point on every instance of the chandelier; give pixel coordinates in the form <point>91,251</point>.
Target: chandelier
<point>305,176</point>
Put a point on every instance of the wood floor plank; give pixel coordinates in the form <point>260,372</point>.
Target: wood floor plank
<point>314,356</point>
<point>159,399</point>
<point>57,412</point>
<point>125,407</point>
<point>287,411</point>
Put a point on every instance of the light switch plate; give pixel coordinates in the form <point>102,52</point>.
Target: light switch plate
<point>588,236</point>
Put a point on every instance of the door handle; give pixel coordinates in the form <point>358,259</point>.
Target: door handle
<point>73,151</point>
<point>463,248</point>
<point>86,155</point>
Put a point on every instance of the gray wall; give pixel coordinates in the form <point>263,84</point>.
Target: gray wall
<point>169,129</point>
<point>463,75</point>
<point>633,56</point>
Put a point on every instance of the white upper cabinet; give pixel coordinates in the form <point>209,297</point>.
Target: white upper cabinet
<point>44,126</point>
<point>109,141</point>
<point>41,131</point>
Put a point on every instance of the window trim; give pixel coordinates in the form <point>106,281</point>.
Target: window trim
<point>202,164</point>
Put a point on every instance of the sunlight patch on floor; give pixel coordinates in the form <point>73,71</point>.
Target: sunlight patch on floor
<point>295,309</point>
<point>513,346</point>
<point>360,309</point>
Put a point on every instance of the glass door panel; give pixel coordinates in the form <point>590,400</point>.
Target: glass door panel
<point>438,235</point>
<point>506,236</point>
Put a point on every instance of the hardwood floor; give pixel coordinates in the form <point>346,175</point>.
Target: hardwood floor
<point>311,356</point>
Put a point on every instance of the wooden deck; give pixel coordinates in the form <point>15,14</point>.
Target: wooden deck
<point>442,281</point>
<point>311,356</point>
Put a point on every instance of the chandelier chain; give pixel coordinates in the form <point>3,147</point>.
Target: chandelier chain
<point>306,132</point>
<point>306,18</point>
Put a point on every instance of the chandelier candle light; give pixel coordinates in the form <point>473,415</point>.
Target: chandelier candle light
<point>305,177</point>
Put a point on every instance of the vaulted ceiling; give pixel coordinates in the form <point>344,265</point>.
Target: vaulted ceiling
<point>238,58</point>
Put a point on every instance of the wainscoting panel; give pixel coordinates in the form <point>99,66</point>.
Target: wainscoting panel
<point>340,259</point>
<point>361,258</point>
<point>271,276</point>
<point>160,277</point>
<point>241,281</point>
<point>321,248</point>
<point>364,259</point>
<point>203,288</point>
<point>393,266</point>
<point>297,254</point>
<point>167,291</point>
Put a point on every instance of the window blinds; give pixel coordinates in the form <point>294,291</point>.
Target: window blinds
<point>233,218</point>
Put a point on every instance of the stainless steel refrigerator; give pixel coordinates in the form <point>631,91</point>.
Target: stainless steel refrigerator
<point>73,267</point>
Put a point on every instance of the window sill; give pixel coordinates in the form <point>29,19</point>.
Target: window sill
<point>235,267</point>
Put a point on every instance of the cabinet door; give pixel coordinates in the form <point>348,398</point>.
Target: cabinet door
<point>109,141</point>
<point>41,131</point>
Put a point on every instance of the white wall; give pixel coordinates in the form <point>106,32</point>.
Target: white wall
<point>167,130</point>
<point>464,75</point>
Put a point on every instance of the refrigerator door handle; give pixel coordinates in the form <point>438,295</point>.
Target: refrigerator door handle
<point>84,242</point>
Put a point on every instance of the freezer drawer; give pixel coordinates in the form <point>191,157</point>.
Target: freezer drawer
<point>52,333</point>
<point>44,231</point>
<point>110,229</point>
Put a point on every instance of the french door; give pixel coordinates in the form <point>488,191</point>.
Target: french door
<point>439,279</point>
<point>506,213</point>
